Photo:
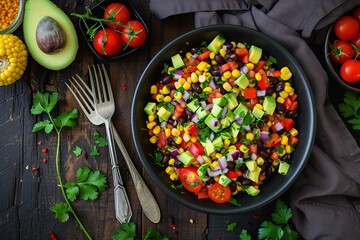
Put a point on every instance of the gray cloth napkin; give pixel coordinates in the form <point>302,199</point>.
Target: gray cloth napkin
<point>325,198</point>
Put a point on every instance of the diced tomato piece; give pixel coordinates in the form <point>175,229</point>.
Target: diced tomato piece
<point>203,193</point>
<point>273,140</point>
<point>288,123</point>
<point>293,141</point>
<point>293,106</point>
<point>253,148</point>
<point>250,93</point>
<point>196,149</point>
<point>214,94</point>
<point>234,173</point>
<point>276,73</point>
<point>192,129</point>
<point>233,65</point>
<point>241,52</point>
<point>259,65</point>
<point>161,142</point>
<point>203,55</point>
<point>287,103</point>
<point>225,67</point>
<point>185,74</point>
<point>293,97</point>
<point>191,69</point>
<point>245,59</point>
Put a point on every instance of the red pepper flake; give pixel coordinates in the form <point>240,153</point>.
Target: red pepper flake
<point>217,238</point>
<point>44,150</point>
<point>173,226</point>
<point>52,235</point>
<point>34,169</point>
<point>39,142</point>
<point>124,86</point>
<point>256,216</point>
<point>44,160</point>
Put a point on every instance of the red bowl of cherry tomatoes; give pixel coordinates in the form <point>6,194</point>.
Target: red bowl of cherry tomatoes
<point>113,29</point>
<point>342,50</point>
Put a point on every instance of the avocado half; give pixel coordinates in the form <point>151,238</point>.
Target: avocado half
<point>35,10</point>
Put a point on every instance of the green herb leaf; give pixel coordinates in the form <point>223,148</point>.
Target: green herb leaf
<point>230,226</point>
<point>244,235</point>
<point>282,213</point>
<point>67,119</point>
<point>72,190</point>
<point>355,122</point>
<point>44,102</point>
<point>99,140</point>
<point>350,106</point>
<point>61,211</point>
<point>270,61</point>
<point>152,234</point>
<point>270,230</point>
<point>77,151</point>
<point>126,231</point>
<point>94,151</point>
<point>234,202</point>
<point>46,125</point>
<point>290,234</point>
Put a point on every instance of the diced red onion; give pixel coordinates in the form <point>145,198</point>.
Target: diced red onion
<point>278,126</point>
<point>186,95</point>
<point>239,119</point>
<point>212,84</point>
<point>260,93</point>
<point>214,122</point>
<point>212,136</point>
<point>246,127</point>
<point>244,70</point>
<point>253,156</point>
<point>264,135</point>
<point>224,112</point>
<point>175,152</point>
<point>209,106</point>
<point>222,162</point>
<point>234,154</point>
<point>194,118</point>
<point>200,159</point>
<point>225,170</point>
<point>163,124</point>
<point>175,123</point>
<point>203,104</point>
<point>195,55</point>
<point>214,173</point>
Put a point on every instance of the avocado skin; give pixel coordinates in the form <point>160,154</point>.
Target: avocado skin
<point>34,11</point>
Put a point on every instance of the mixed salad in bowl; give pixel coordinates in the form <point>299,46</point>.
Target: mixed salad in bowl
<point>223,119</point>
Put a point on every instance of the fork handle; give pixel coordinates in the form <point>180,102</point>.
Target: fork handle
<point>147,200</point>
<point>122,205</point>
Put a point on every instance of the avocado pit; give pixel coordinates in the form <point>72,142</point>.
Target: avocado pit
<point>50,37</point>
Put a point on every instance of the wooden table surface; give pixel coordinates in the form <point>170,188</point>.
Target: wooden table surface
<point>27,195</point>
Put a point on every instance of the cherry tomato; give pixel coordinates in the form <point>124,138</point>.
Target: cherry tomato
<point>219,193</point>
<point>107,42</point>
<point>118,13</point>
<point>346,28</point>
<point>190,179</point>
<point>341,51</point>
<point>356,14</point>
<point>134,33</point>
<point>350,71</point>
<point>356,46</point>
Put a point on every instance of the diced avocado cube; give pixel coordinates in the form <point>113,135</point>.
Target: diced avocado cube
<point>242,81</point>
<point>177,61</point>
<point>163,113</point>
<point>251,165</point>
<point>232,101</point>
<point>202,170</point>
<point>257,112</point>
<point>208,147</point>
<point>225,122</point>
<point>150,108</point>
<point>217,143</point>
<point>225,134</point>
<point>216,44</point>
<point>221,101</point>
<point>254,54</point>
<point>206,159</point>
<point>252,191</point>
<point>186,158</point>
<point>254,175</point>
<point>230,116</point>
<point>269,105</point>
<point>283,168</point>
<point>209,122</point>
<point>241,110</point>
<point>224,180</point>
<point>235,129</point>
<point>193,105</point>
<point>216,110</point>
<point>201,113</point>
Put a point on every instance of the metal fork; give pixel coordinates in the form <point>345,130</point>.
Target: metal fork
<point>84,96</point>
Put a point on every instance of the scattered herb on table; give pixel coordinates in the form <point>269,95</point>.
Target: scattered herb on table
<point>77,151</point>
<point>127,231</point>
<point>94,151</point>
<point>230,226</point>
<point>44,103</point>
<point>350,109</point>
<point>99,140</point>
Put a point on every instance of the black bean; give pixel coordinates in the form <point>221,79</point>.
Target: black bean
<point>167,79</point>
<point>194,50</point>
<point>178,164</point>
<point>266,119</point>
<point>231,165</point>
<point>222,90</point>
<point>210,181</point>
<point>182,118</point>
<point>232,186</point>
<point>246,182</point>
<point>228,45</point>
<point>264,154</point>
<point>188,113</point>
<point>215,72</point>
<point>268,172</point>
<point>280,108</point>
<point>286,157</point>
<point>219,59</point>
<point>281,131</point>
<point>196,87</point>
<point>165,159</point>
<point>291,114</point>
<point>273,80</point>
<point>269,91</point>
<point>171,121</point>
<point>279,86</point>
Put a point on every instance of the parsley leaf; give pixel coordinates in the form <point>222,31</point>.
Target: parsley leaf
<point>46,125</point>
<point>234,202</point>
<point>350,108</point>
<point>94,151</point>
<point>99,140</point>
<point>282,213</point>
<point>127,231</point>
<point>152,234</point>
<point>269,230</point>
<point>44,102</point>
<point>77,151</point>
<point>67,119</point>
<point>244,235</point>
<point>290,234</point>
<point>230,226</point>
<point>61,211</point>
<point>87,186</point>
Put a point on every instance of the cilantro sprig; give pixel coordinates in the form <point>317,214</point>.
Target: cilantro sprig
<point>350,109</point>
<point>127,231</point>
<point>44,103</point>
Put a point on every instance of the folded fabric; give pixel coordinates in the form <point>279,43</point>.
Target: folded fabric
<point>326,197</point>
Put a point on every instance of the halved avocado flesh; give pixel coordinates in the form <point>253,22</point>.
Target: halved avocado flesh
<point>35,10</point>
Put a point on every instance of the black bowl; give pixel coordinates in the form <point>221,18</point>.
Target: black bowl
<point>98,11</point>
<point>305,123</point>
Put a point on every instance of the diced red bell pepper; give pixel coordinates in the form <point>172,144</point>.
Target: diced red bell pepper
<point>287,103</point>
<point>293,141</point>
<point>259,65</point>
<point>161,142</point>
<point>273,140</point>
<point>192,129</point>
<point>253,148</point>
<point>288,123</point>
<point>241,52</point>
<point>249,93</point>
<point>196,149</point>
<point>233,65</point>
<point>234,173</point>
<point>204,55</point>
<point>294,105</point>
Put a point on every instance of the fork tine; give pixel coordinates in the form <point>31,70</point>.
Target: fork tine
<point>79,93</point>
<point>108,85</point>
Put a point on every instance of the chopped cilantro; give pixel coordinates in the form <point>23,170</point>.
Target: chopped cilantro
<point>271,60</point>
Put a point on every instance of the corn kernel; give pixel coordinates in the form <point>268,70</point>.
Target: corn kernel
<point>218,155</point>
<point>283,94</point>
<point>222,52</point>
<point>275,162</point>
<point>235,192</point>
<point>238,187</point>
<point>240,45</point>
<point>198,72</point>
<point>167,132</point>
<point>188,55</point>
<point>258,76</point>
<point>259,106</point>
<point>193,77</point>
<point>167,99</point>
<point>153,89</point>
<point>178,140</point>
<point>174,176</point>
<point>288,89</point>
<point>288,149</point>
<point>235,73</point>
<point>177,85</point>
<point>186,86</point>
<point>227,74</point>
<point>212,55</point>
<point>182,81</point>
<point>151,125</point>
<point>235,90</point>
<point>250,66</point>
<point>186,137</point>
<point>226,143</point>
<point>250,136</point>
<point>243,149</point>
<point>207,90</point>
<point>213,62</point>
<point>165,90</point>
<point>181,150</point>
<point>232,148</point>
<point>260,161</point>
<point>201,78</point>
<point>193,139</point>
<point>159,97</point>
<point>293,132</point>
<point>151,117</point>
<point>178,95</point>
<point>156,130</point>
<point>285,73</point>
<point>227,86</point>
<point>171,161</point>
<point>280,100</point>
<point>201,66</point>
<point>284,139</point>
<point>216,178</point>
<point>175,132</point>
<point>153,139</point>
<point>214,164</point>
<point>169,170</point>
